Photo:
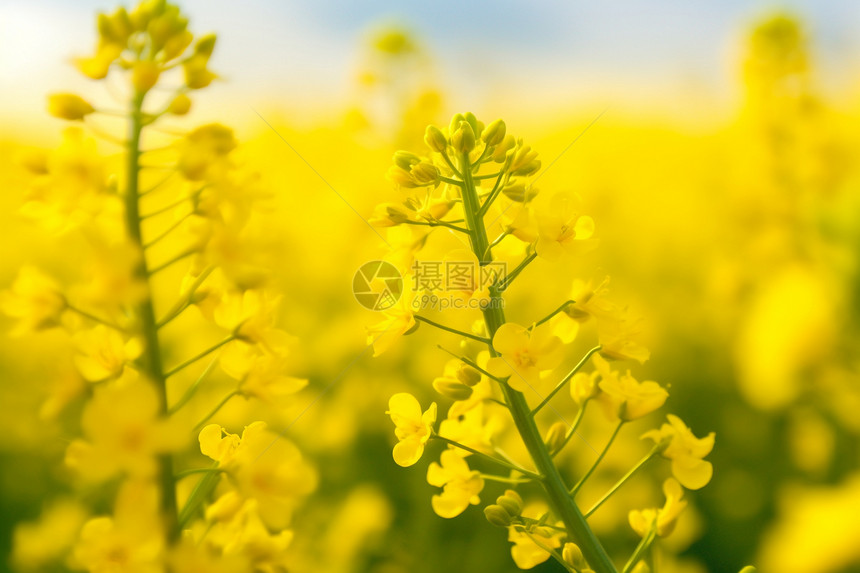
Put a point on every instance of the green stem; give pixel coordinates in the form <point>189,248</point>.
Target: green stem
<point>515,273</point>
<point>548,317</point>
<point>93,317</point>
<point>471,363</point>
<point>515,481</point>
<point>181,305</point>
<point>551,480</point>
<point>192,389</point>
<point>488,202</point>
<point>167,231</point>
<point>552,552</point>
<point>215,410</point>
<point>640,550</point>
<point>572,431</point>
<point>654,451</point>
<point>174,260</point>
<point>452,330</point>
<point>599,459</point>
<point>199,494</point>
<point>450,181</point>
<point>479,453</point>
<point>195,471</point>
<point>150,360</point>
<point>200,356</point>
<point>566,379</point>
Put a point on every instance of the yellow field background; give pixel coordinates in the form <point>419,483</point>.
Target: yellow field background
<point>731,225</point>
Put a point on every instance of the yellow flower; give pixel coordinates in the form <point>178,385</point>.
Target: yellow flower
<point>69,106</point>
<point>524,355</point>
<point>562,228</point>
<point>180,105</point>
<point>34,299</point>
<point>617,342</point>
<point>461,486</point>
<point>264,466</point>
<point>251,315</point>
<point>144,75</point>
<point>624,397</point>
<point>242,536</point>
<point>686,452</point>
<point>525,552</point>
<point>465,424</point>
<point>97,67</point>
<point>398,320</point>
<point>587,386</point>
<point>412,428</point>
<point>103,353</point>
<point>260,375</point>
<point>662,519</point>
<point>131,541</point>
<point>206,146</point>
<point>589,301</point>
<point>39,543</point>
<point>123,431</point>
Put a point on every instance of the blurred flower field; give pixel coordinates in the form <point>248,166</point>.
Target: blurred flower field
<point>191,382</point>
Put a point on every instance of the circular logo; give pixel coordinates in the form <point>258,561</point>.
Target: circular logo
<point>377,285</point>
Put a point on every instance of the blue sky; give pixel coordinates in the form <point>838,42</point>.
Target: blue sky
<point>548,51</point>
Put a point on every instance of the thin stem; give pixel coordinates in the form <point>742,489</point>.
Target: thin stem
<point>200,356</point>
<point>450,181</point>
<point>471,363</point>
<point>553,484</point>
<point>173,261</point>
<point>488,176</point>
<point>452,330</point>
<point>553,553</point>
<point>169,230</point>
<point>199,494</point>
<point>640,550</point>
<point>654,451</point>
<point>514,273</point>
<point>437,224</point>
<point>94,318</point>
<point>190,197</point>
<point>150,360</point>
<point>215,410</point>
<point>191,472</point>
<point>477,164</point>
<point>181,305</point>
<point>566,304</point>
<point>575,489</point>
<point>495,243</point>
<point>488,202</point>
<point>157,185</point>
<point>504,463</point>
<point>451,165</point>
<point>189,393</point>
<point>566,379</point>
<point>573,428</point>
<point>515,481</point>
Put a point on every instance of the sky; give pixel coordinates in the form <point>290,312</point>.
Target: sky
<point>305,53</point>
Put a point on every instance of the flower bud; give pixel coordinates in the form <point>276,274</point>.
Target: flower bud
<point>477,126</point>
<point>452,389</point>
<point>572,555</point>
<point>497,515</point>
<point>500,153</point>
<point>494,134</point>
<point>69,106</point>
<point>205,46</point>
<point>555,436</point>
<point>425,173</point>
<point>524,161</point>
<point>463,139</point>
<point>435,139</point>
<point>400,177</point>
<point>405,160</point>
<point>144,75</point>
<point>749,569</point>
<point>455,123</point>
<point>511,502</point>
<point>519,192</point>
<point>180,105</point>
<point>468,375</point>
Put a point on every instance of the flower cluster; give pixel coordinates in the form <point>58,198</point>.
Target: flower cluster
<point>178,202</point>
<point>474,180</point>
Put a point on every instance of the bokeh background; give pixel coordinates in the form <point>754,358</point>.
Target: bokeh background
<point>715,143</point>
